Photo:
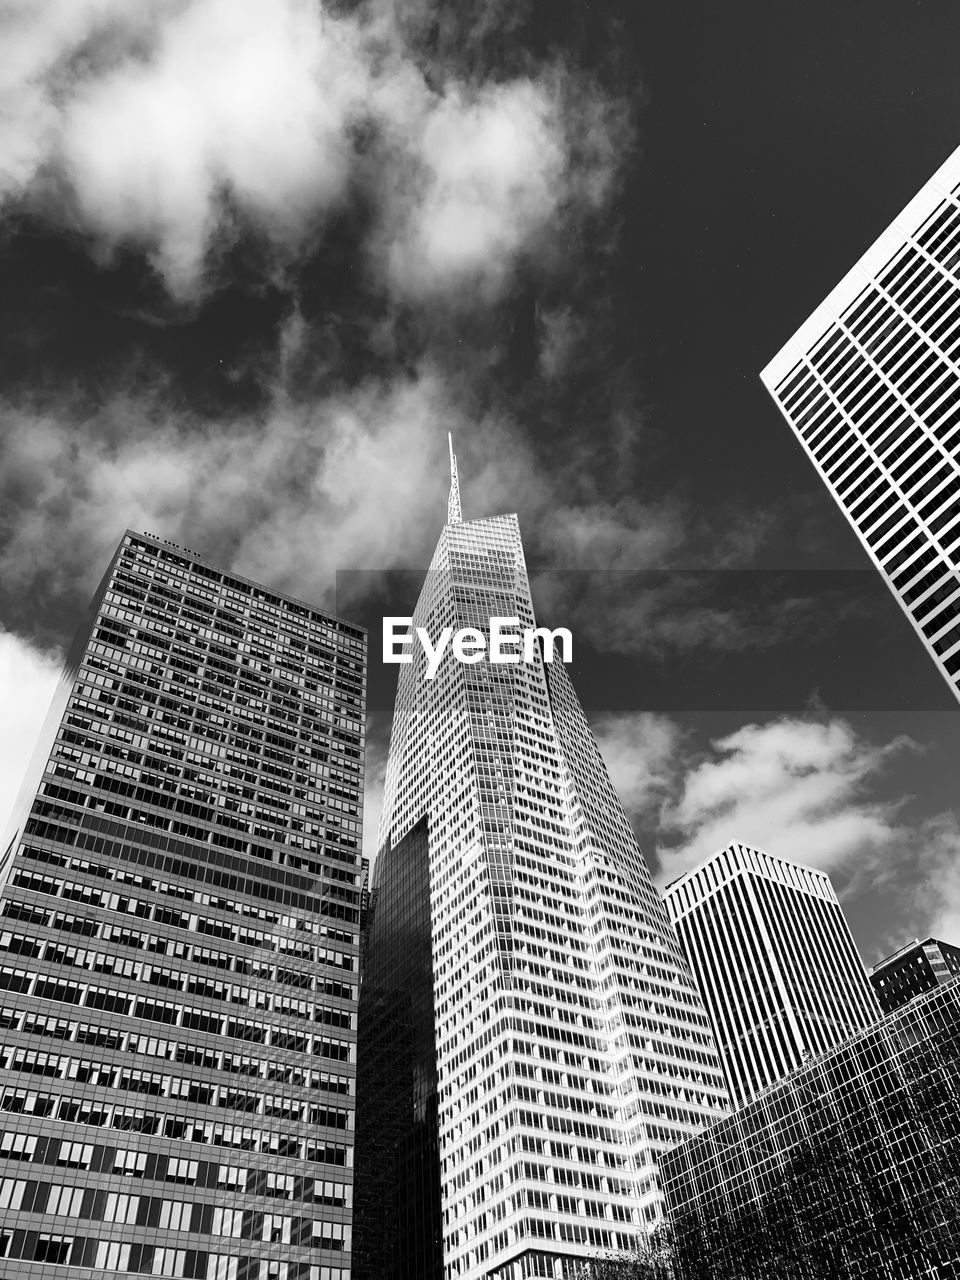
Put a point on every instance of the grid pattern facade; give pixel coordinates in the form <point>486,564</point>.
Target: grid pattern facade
<point>571,1044</point>
<point>849,1167</point>
<point>871,386</point>
<point>915,968</point>
<point>775,962</point>
<point>397,1216</point>
<point>179,948</point>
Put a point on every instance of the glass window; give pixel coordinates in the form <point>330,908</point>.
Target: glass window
<point>65,1200</point>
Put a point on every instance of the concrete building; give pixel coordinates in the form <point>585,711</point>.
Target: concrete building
<point>870,384</point>
<point>916,967</point>
<point>545,1040</point>
<point>848,1167</point>
<point>179,919</point>
<point>775,962</point>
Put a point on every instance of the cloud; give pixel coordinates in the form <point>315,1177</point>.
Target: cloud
<point>28,677</point>
<point>172,125</point>
<point>808,790</point>
<point>287,498</point>
<point>252,100</point>
<point>377,750</point>
<point>486,172</point>
<point>802,789</point>
<point>935,905</point>
<point>812,791</point>
<point>641,752</point>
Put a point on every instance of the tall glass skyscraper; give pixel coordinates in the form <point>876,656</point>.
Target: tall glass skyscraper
<point>179,920</point>
<point>775,962</point>
<point>522,975</point>
<point>870,383</point>
<point>847,1167</point>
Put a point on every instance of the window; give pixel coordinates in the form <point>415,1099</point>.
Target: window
<point>75,1155</point>
<point>17,1146</point>
<point>276,1228</point>
<point>112,1256</point>
<point>121,1208</point>
<point>281,1185</point>
<point>222,1266</point>
<point>182,1170</point>
<point>175,1214</point>
<point>231,1177</point>
<point>132,1163</point>
<point>65,1201</point>
<point>11,1193</point>
<point>227,1222</point>
<point>52,1248</point>
<point>169,1262</point>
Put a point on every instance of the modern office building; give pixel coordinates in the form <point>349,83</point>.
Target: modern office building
<point>774,960</point>
<point>916,967</point>
<point>179,919</point>
<point>848,1167</point>
<point>870,383</point>
<point>546,1038</point>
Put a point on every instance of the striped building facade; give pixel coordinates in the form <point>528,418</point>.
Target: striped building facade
<point>775,962</point>
<point>870,384</point>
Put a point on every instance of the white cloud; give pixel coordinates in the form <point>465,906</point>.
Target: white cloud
<point>936,897</point>
<point>157,123</point>
<point>28,677</point>
<point>357,481</point>
<point>802,789</point>
<point>254,99</point>
<point>484,177</point>
<point>641,752</point>
<point>375,766</point>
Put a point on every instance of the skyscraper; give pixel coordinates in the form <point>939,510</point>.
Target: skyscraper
<point>870,383</point>
<point>179,921</point>
<point>548,1040</point>
<point>916,967</point>
<point>847,1167</point>
<point>774,960</point>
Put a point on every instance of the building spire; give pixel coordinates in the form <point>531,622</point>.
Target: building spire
<point>454,515</point>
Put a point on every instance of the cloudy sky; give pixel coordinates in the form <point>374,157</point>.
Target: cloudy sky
<point>259,256</point>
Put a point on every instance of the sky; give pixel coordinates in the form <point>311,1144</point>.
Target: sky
<point>260,256</point>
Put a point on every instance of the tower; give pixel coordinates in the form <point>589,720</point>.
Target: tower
<point>870,384</point>
<point>914,968</point>
<point>547,1038</point>
<point>179,920</point>
<point>774,960</point>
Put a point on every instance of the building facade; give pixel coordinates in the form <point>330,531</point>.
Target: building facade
<point>774,960</point>
<point>179,920</point>
<point>870,384</point>
<point>915,968</point>
<point>550,1043</point>
<point>849,1167</point>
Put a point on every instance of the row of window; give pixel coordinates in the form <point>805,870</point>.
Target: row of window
<point>139,1080</point>
<point>153,1166</point>
<point>42,830</point>
<point>148,1259</point>
<point>177,1014</point>
<point>90,926</point>
<point>137,1120</point>
<point>297,618</point>
<point>193,981</point>
<point>200,1218</point>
